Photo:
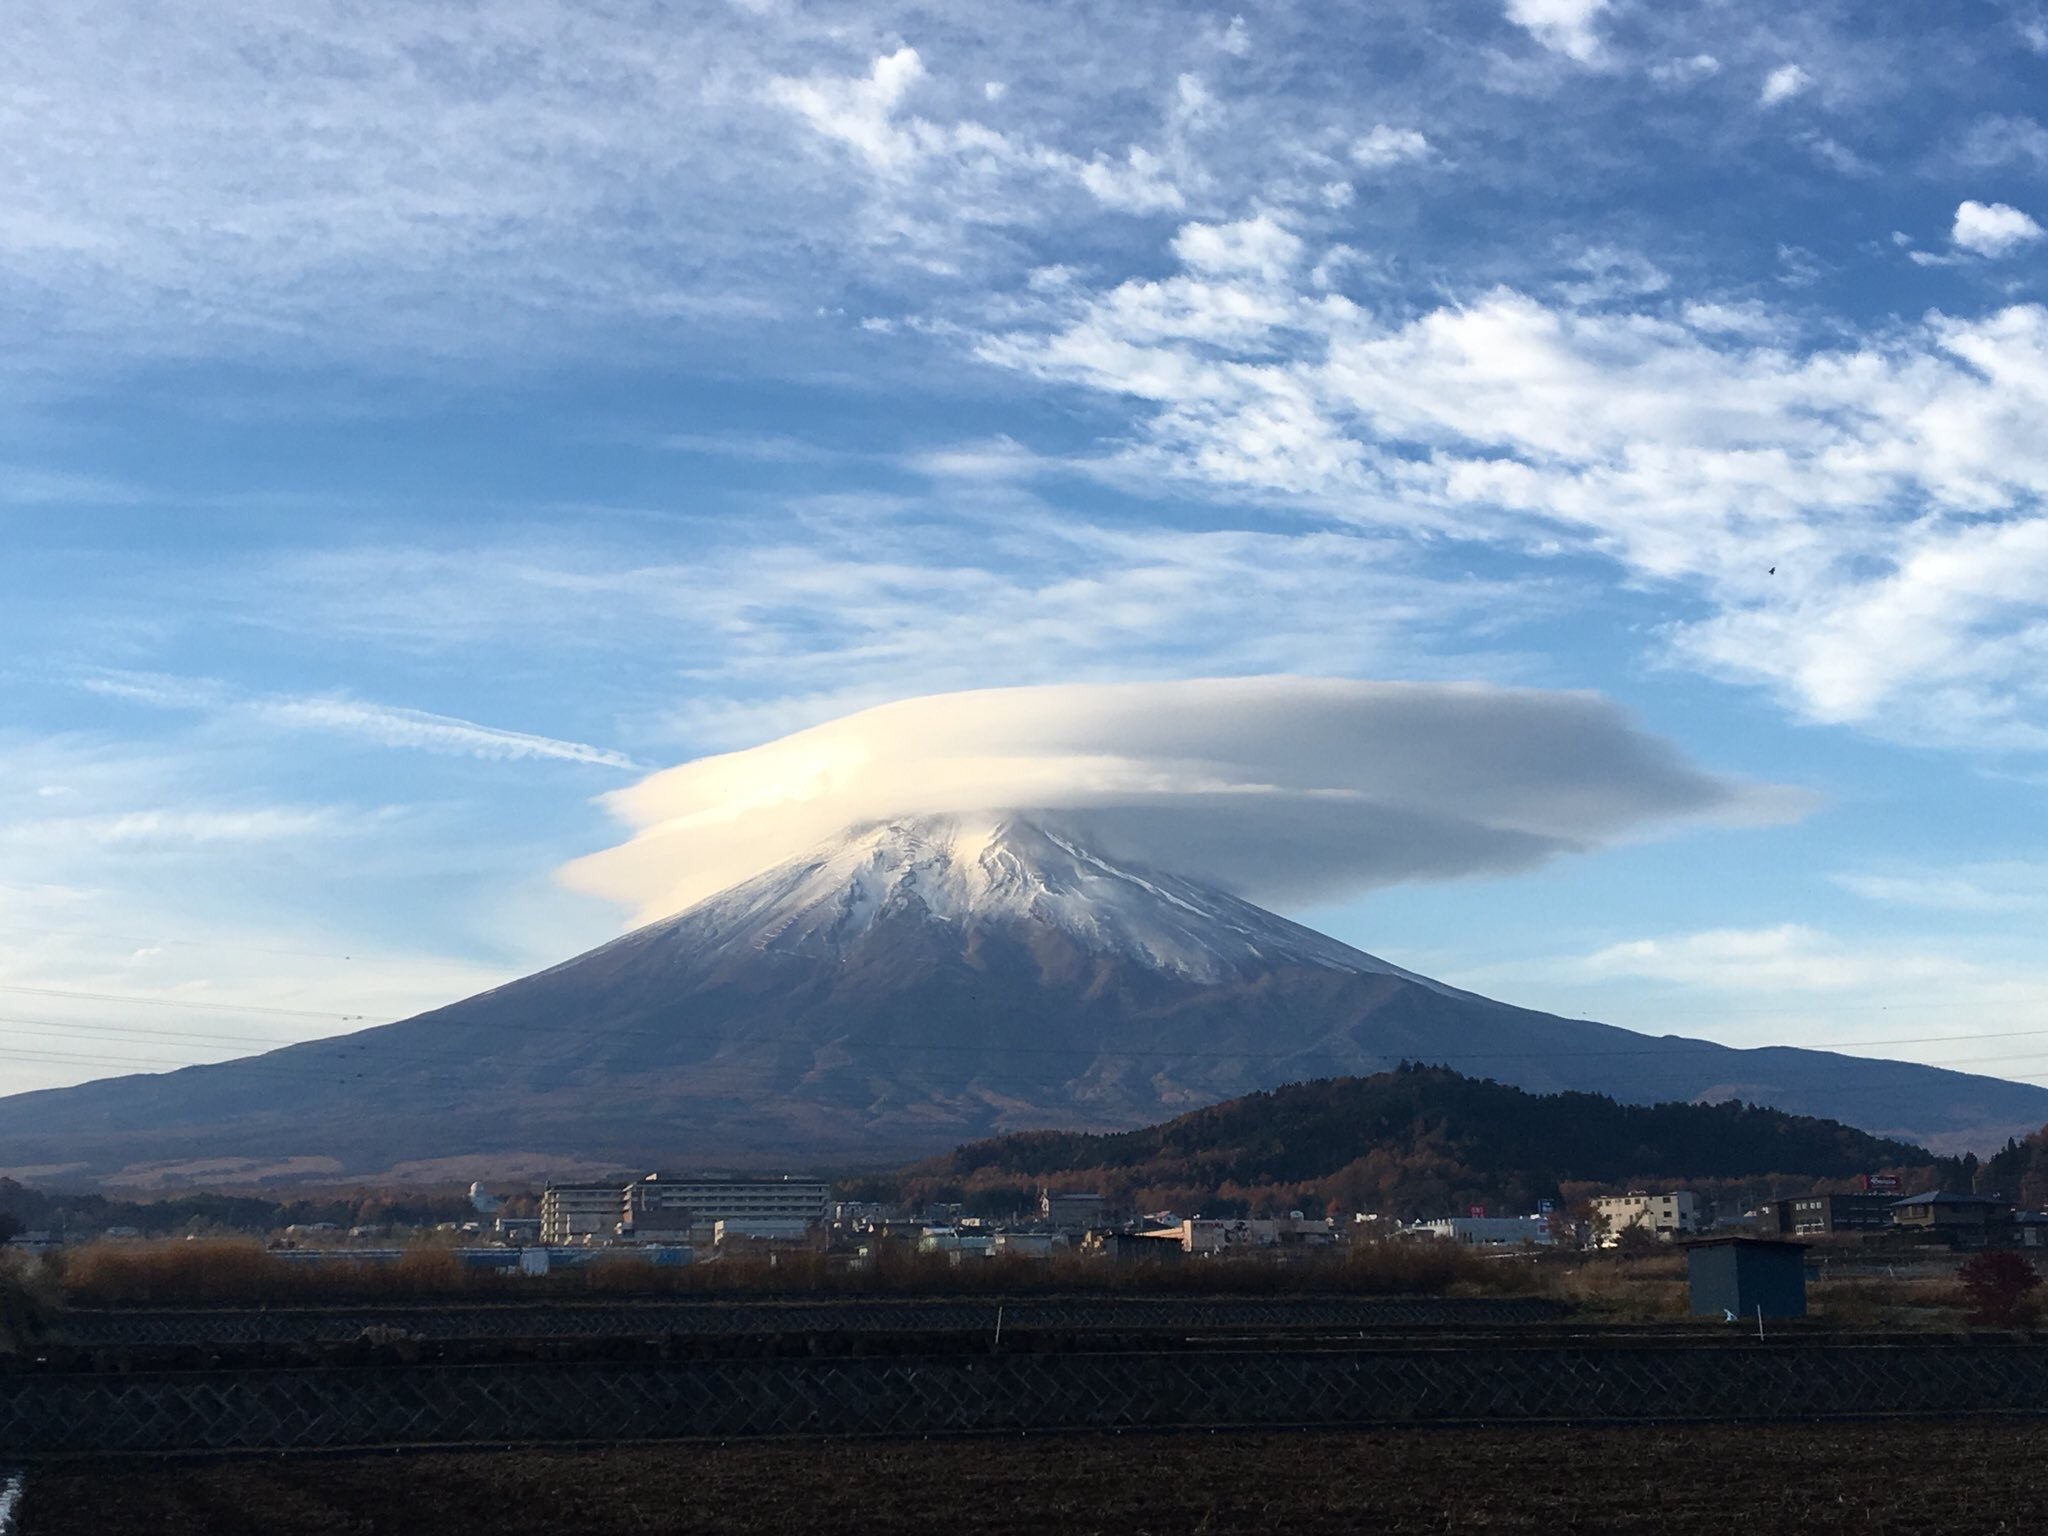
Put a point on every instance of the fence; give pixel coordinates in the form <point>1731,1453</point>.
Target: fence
<point>328,1407</point>
<point>646,1319</point>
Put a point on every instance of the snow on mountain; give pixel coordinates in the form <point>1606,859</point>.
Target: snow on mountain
<point>979,873</point>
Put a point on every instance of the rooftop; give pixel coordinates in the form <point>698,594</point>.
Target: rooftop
<point>1946,1197</point>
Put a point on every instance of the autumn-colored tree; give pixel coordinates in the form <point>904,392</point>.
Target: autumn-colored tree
<point>1998,1282</point>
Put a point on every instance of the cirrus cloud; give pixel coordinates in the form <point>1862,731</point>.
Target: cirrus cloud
<point>1281,789</point>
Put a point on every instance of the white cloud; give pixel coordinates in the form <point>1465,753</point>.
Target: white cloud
<point>1782,84</point>
<point>1993,229</point>
<point>1278,788</point>
<point>861,112</point>
<point>1258,247</point>
<point>1791,957</point>
<point>1140,183</point>
<point>1385,146</point>
<point>1864,524</point>
<point>1563,26</point>
<point>942,175</point>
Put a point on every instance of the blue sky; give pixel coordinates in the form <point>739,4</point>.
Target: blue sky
<point>417,423</point>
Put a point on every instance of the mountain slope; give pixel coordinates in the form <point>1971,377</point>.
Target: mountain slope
<point>900,990</point>
<point>1413,1141</point>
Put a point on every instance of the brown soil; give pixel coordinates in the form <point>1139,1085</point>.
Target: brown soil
<point>1872,1479</point>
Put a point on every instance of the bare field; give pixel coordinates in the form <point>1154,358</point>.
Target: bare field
<point>1965,1478</point>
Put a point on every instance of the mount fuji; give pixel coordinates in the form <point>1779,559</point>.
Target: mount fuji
<point>905,987</point>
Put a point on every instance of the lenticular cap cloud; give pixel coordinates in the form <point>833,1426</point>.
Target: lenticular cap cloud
<point>1284,790</point>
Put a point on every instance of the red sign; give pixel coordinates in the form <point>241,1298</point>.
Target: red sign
<point>1881,1182</point>
<point>1476,1210</point>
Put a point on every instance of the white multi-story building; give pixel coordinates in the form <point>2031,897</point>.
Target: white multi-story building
<point>572,1211</point>
<point>1667,1216</point>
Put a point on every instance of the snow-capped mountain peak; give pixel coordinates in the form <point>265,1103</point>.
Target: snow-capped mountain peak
<point>1011,873</point>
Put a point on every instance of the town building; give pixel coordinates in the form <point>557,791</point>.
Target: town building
<point>1070,1213</point>
<point>957,1246</point>
<point>1231,1234</point>
<point>1134,1247</point>
<point>1828,1215</point>
<point>760,1229</point>
<point>665,1206</point>
<point>1666,1216</point>
<point>1489,1231</point>
<point>573,1212</point>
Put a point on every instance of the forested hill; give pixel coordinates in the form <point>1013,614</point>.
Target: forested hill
<point>1419,1139</point>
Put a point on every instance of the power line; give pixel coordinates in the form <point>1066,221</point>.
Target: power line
<point>158,942</point>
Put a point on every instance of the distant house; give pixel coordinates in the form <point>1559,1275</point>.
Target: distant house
<point>1969,1221</point>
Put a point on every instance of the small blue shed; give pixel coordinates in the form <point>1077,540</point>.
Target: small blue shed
<point>1748,1276</point>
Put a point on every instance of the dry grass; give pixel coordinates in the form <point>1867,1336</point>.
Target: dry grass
<point>1604,1287</point>
<point>1616,1289</point>
<point>231,1273</point>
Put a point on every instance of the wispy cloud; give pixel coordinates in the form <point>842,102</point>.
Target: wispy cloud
<point>855,605</point>
<point>1900,997</point>
<point>382,724</point>
<point>177,828</point>
<point>1978,888</point>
